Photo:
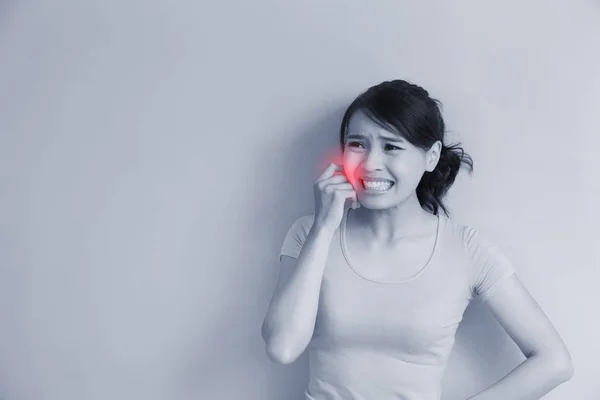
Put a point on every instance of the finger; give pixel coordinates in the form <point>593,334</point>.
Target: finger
<point>344,199</point>
<point>334,187</point>
<point>331,168</point>
<point>334,179</point>
<point>343,194</point>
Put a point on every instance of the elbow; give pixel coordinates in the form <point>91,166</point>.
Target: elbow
<point>276,351</point>
<point>557,365</point>
<point>561,367</point>
<point>280,351</point>
<point>280,348</point>
<point>281,354</point>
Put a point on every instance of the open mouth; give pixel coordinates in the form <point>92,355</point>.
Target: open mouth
<point>382,185</point>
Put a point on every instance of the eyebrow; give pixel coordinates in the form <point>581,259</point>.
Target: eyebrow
<point>389,138</point>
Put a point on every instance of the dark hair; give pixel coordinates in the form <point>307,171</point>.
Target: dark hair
<point>408,110</point>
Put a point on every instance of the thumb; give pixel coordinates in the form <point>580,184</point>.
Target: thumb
<point>355,203</point>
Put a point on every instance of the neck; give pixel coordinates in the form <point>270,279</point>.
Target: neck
<point>403,220</point>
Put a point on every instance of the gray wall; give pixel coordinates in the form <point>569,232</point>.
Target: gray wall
<point>153,155</point>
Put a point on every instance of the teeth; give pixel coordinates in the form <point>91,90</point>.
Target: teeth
<point>377,185</point>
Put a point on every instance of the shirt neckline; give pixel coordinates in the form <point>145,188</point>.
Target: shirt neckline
<point>394,282</point>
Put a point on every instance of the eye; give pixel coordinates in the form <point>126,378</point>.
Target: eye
<point>392,147</point>
<point>354,144</point>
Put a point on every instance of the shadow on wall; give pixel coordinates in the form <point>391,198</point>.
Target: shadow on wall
<point>229,355</point>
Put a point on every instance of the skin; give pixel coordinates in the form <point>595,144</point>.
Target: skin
<point>372,150</point>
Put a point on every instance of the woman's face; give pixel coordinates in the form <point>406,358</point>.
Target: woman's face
<point>383,167</point>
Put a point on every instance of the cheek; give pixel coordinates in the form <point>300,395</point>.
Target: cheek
<point>414,167</point>
<point>350,163</point>
<point>412,171</point>
<point>408,172</point>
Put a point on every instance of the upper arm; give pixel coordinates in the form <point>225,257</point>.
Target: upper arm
<point>488,266</point>
<point>290,250</point>
<point>526,323</point>
<point>494,280</point>
<point>295,237</point>
<point>291,247</point>
<point>288,256</point>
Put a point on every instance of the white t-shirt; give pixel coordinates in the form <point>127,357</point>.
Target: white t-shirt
<point>391,340</point>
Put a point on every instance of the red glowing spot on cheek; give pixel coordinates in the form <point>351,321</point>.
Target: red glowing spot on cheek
<point>334,156</point>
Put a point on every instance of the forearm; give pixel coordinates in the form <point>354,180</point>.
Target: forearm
<point>290,321</point>
<point>531,380</point>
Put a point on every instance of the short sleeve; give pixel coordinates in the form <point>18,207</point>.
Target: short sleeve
<point>295,237</point>
<point>488,265</point>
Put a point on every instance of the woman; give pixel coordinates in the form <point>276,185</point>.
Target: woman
<point>378,289</point>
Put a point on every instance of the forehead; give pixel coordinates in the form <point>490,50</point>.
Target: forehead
<point>361,126</point>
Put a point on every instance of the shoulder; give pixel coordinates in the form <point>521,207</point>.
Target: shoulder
<point>303,223</point>
<point>486,263</point>
<point>463,236</point>
<point>296,235</point>
<point>475,248</point>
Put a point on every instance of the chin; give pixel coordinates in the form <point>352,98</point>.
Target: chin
<point>377,204</point>
<point>381,202</point>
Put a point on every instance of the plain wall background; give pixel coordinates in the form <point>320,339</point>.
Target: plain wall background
<point>153,155</point>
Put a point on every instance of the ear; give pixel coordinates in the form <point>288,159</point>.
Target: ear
<point>432,156</point>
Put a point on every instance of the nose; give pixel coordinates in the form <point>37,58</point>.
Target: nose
<point>373,161</point>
